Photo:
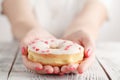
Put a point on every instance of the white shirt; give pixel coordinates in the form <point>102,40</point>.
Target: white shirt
<point>56,15</point>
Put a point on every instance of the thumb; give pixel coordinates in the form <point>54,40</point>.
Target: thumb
<point>24,46</point>
<point>89,46</point>
<point>24,50</point>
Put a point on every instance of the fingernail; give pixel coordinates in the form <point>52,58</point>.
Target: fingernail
<point>80,72</point>
<point>72,68</point>
<point>88,53</point>
<point>23,50</point>
<point>55,72</point>
<point>38,69</point>
<point>47,71</point>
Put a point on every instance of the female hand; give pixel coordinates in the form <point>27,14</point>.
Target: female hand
<point>76,37</point>
<point>87,42</point>
<point>37,67</point>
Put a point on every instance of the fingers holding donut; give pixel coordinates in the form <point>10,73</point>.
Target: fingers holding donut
<point>37,67</point>
<point>34,35</point>
<point>30,65</point>
<point>88,43</point>
<point>56,70</point>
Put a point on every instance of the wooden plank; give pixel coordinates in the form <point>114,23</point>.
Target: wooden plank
<point>108,55</point>
<point>109,50</point>
<point>7,54</point>
<point>112,69</point>
<point>19,72</point>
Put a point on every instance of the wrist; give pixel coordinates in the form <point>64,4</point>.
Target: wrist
<point>21,29</point>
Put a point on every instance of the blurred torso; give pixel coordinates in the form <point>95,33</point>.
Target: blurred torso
<point>56,15</point>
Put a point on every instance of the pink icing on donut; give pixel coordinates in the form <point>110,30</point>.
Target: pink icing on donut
<point>37,49</point>
<point>46,42</point>
<point>54,46</point>
<point>67,47</point>
<point>33,47</point>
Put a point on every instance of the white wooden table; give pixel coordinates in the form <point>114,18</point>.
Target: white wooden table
<point>105,67</point>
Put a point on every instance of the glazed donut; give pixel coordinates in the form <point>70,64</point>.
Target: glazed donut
<point>55,52</point>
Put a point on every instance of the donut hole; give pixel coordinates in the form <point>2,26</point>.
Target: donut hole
<point>54,47</point>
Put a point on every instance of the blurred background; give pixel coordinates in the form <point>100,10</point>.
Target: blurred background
<point>110,32</point>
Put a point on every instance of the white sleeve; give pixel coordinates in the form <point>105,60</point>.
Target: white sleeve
<point>107,4</point>
<point>1,6</point>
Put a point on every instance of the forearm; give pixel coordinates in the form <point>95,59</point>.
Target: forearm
<point>89,19</point>
<point>21,29</point>
<point>20,15</point>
